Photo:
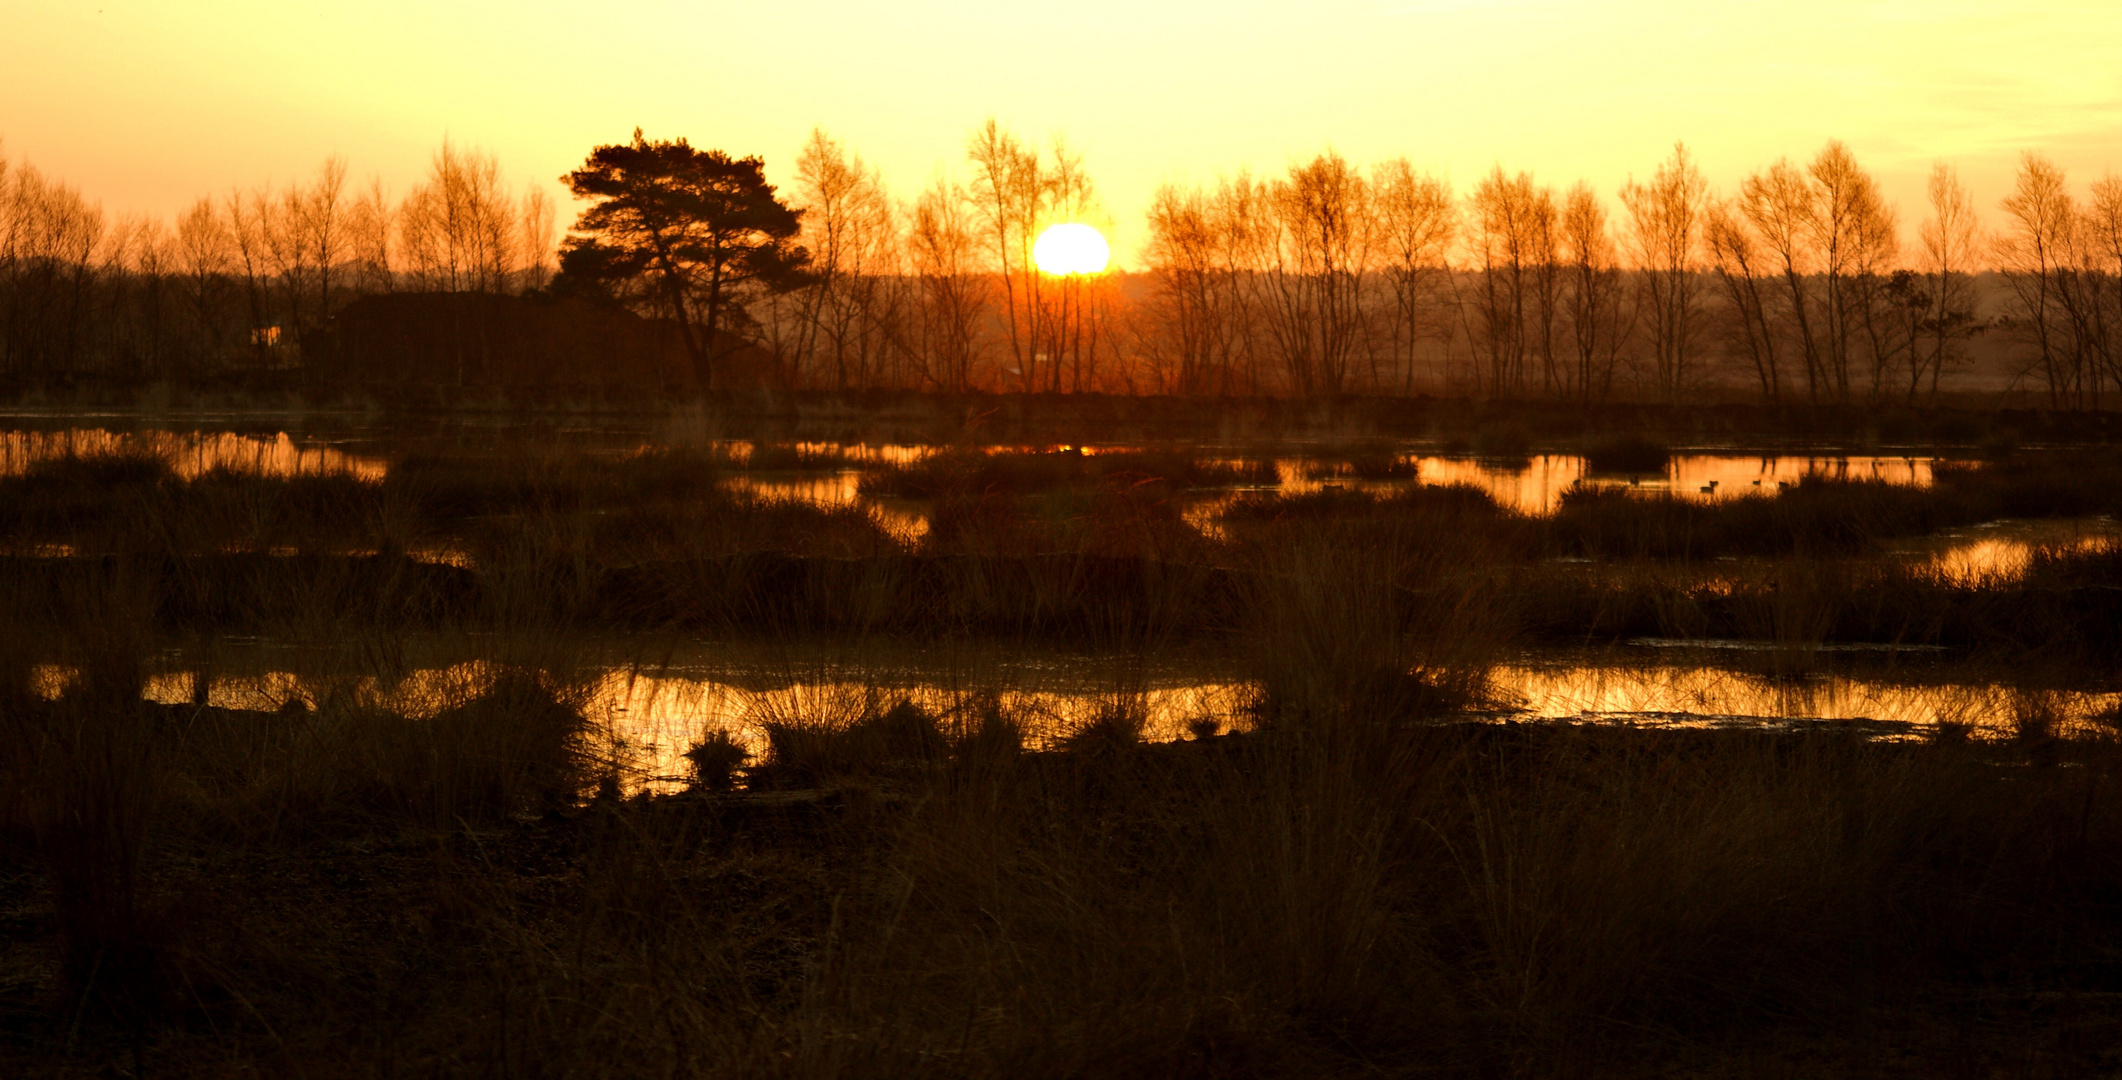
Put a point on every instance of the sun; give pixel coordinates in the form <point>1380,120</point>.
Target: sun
<point>1071,249</point>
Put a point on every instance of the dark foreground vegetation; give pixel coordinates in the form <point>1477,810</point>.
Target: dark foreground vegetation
<point>1366,876</point>
<point>1336,894</point>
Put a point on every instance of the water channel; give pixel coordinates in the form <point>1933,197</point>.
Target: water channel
<point>652,710</point>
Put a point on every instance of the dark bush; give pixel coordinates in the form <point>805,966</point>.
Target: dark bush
<point>1628,454</point>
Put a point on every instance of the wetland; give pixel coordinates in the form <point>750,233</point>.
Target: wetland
<point>666,746</point>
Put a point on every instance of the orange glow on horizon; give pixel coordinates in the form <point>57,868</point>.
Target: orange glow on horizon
<point>145,106</point>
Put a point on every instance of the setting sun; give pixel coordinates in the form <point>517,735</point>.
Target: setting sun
<point>1071,249</point>
<point>1104,534</point>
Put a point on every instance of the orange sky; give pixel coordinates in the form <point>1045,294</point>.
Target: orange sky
<point>146,105</point>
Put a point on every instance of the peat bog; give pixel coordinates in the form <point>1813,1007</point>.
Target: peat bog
<point>694,751</point>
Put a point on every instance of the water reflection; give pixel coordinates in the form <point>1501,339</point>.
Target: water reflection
<point>646,717</point>
<point>827,473</point>
<point>190,454</point>
<point>1686,695</point>
<point>1533,485</point>
<point>1999,552</point>
<point>1536,485</point>
<point>658,717</point>
<point>837,489</point>
<point>767,455</point>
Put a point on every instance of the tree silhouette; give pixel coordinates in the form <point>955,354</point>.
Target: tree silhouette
<point>694,228</point>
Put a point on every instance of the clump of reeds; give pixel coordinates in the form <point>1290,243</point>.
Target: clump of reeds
<point>2074,482</point>
<point>981,523</point>
<point>1628,454</point>
<point>984,738</point>
<point>125,466</point>
<point>1362,880</point>
<point>786,457</point>
<point>1419,515</point>
<point>1502,442</point>
<point>1113,728</point>
<point>2093,565</point>
<point>1366,882</point>
<point>1014,472</point>
<point>90,791</point>
<point>513,745</point>
<point>1815,517</point>
<point>1360,466</point>
<point>459,487</point>
<point>2036,717</point>
<point>807,752</point>
<point>1388,611</point>
<point>1120,521</point>
<point>715,759</point>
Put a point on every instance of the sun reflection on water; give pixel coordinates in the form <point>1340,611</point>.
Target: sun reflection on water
<point>2000,552</point>
<point>190,454</point>
<point>646,718</point>
<point>1705,696</point>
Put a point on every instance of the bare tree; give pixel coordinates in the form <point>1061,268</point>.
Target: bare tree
<point>1009,190</point>
<point>137,264</point>
<point>2034,252</point>
<point>458,231</point>
<point>1416,223</point>
<point>1665,220</point>
<point>943,255</point>
<point>1499,244</point>
<point>1596,299</point>
<point>1182,261</point>
<point>1515,243</point>
<point>246,231</point>
<point>1208,254</point>
<point>1544,247</point>
<point>850,229</point>
<point>53,238</point>
<point>1853,232</point>
<point>537,226</point>
<point>260,270</point>
<point>284,241</point>
<point>1739,261</point>
<point>303,230</point>
<point>1779,204</point>
<point>1323,224</point>
<point>1075,320</point>
<point>2101,243</point>
<point>203,259</point>
<point>324,219</point>
<point>371,224</point>
<point>1950,240</point>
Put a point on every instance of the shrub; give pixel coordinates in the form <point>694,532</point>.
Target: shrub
<point>1628,454</point>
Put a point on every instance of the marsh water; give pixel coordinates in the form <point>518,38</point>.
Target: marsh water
<point>1533,485</point>
<point>648,712</point>
<point>654,698</point>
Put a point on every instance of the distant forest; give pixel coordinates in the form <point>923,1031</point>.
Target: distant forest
<point>1802,285</point>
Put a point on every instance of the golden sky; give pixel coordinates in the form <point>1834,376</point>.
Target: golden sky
<point>145,105</point>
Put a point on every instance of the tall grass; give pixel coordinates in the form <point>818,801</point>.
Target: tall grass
<point>1021,472</point>
<point>1462,901</point>
<point>1456,899</point>
<point>1358,882</point>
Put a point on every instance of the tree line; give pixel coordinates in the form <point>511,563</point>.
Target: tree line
<point>241,281</point>
<point>1324,278</point>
